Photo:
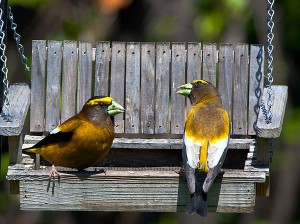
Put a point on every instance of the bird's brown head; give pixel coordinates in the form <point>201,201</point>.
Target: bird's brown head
<point>198,90</point>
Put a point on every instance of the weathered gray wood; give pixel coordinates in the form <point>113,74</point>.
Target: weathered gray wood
<point>69,80</point>
<point>226,76</point>
<point>256,85</point>
<point>162,87</point>
<point>178,103</point>
<point>210,63</point>
<point>54,57</point>
<point>38,72</point>
<point>102,69</point>
<point>84,90</point>
<point>147,87</point>
<point>15,145</point>
<point>117,80</point>
<point>279,99</point>
<point>19,101</point>
<point>240,90</point>
<point>133,81</point>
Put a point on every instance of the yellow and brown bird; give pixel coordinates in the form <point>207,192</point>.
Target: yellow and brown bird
<point>82,140</point>
<point>205,139</point>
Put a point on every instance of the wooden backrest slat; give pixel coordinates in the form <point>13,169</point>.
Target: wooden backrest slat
<point>84,90</point>
<point>256,85</point>
<point>147,87</point>
<point>162,83</point>
<point>102,62</point>
<point>226,76</point>
<point>117,80</point>
<point>69,80</point>
<point>209,63</point>
<point>240,90</point>
<point>177,79</point>
<point>133,85</point>
<point>53,84</point>
<point>38,73</point>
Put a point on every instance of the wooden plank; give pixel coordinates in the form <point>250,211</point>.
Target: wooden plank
<point>240,90</point>
<point>84,74</point>
<point>279,99</point>
<point>69,80</point>
<point>256,85</point>
<point>226,76</point>
<point>54,57</point>
<point>19,101</point>
<point>177,78</point>
<point>210,63</point>
<point>102,69</point>
<point>117,80</point>
<point>147,87</point>
<point>162,88</point>
<point>15,145</point>
<point>133,81</point>
<point>38,72</point>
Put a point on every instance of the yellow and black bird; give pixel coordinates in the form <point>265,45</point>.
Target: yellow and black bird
<point>82,140</point>
<point>205,139</point>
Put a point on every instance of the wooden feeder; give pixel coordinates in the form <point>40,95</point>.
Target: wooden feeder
<point>142,167</point>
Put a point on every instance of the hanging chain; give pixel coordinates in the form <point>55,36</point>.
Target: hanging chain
<point>17,37</point>
<point>266,109</point>
<point>3,58</point>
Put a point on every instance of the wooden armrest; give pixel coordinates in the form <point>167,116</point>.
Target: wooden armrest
<point>273,129</point>
<point>20,100</point>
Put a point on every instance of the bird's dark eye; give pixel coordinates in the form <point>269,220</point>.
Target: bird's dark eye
<point>101,104</point>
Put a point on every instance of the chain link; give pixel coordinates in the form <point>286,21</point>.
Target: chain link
<point>6,111</point>
<point>17,37</point>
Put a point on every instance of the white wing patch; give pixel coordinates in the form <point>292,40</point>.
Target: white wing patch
<point>55,131</point>
<point>215,152</point>
<point>192,151</point>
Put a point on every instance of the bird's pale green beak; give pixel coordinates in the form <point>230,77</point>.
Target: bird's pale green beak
<point>114,108</point>
<point>185,89</point>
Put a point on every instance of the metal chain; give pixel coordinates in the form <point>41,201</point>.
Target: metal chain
<point>266,109</point>
<point>3,58</point>
<point>17,37</point>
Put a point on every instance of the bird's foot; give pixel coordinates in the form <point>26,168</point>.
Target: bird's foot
<point>54,173</point>
<point>179,170</point>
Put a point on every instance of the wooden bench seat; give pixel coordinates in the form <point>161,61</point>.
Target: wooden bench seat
<point>142,167</point>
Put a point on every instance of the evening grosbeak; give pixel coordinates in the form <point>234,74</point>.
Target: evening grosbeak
<point>205,141</point>
<point>82,140</point>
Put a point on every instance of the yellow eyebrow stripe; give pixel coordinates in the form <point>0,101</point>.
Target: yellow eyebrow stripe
<point>105,100</point>
<point>200,80</point>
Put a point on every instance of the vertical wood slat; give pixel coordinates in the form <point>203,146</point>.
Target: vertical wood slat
<point>69,80</point>
<point>162,125</point>
<point>256,85</point>
<point>226,76</point>
<point>102,69</point>
<point>209,62</point>
<point>54,57</point>
<point>240,90</point>
<point>177,79</point>
<point>84,74</point>
<point>117,81</point>
<point>37,105</point>
<point>133,75</point>
<point>147,87</point>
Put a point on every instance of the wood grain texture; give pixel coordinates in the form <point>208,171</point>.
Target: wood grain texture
<point>102,64</point>
<point>117,81</point>
<point>133,86</point>
<point>147,87</point>
<point>15,145</point>
<point>162,88</point>
<point>69,80</point>
<point>53,84</point>
<point>256,85</point>
<point>178,102</point>
<point>19,101</point>
<point>38,75</point>
<point>210,63</point>
<point>84,83</point>
<point>226,76</point>
<point>240,90</point>
<point>279,99</point>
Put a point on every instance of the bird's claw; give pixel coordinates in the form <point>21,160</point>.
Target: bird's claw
<point>54,173</point>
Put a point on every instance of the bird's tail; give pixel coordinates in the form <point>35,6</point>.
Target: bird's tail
<point>198,204</point>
